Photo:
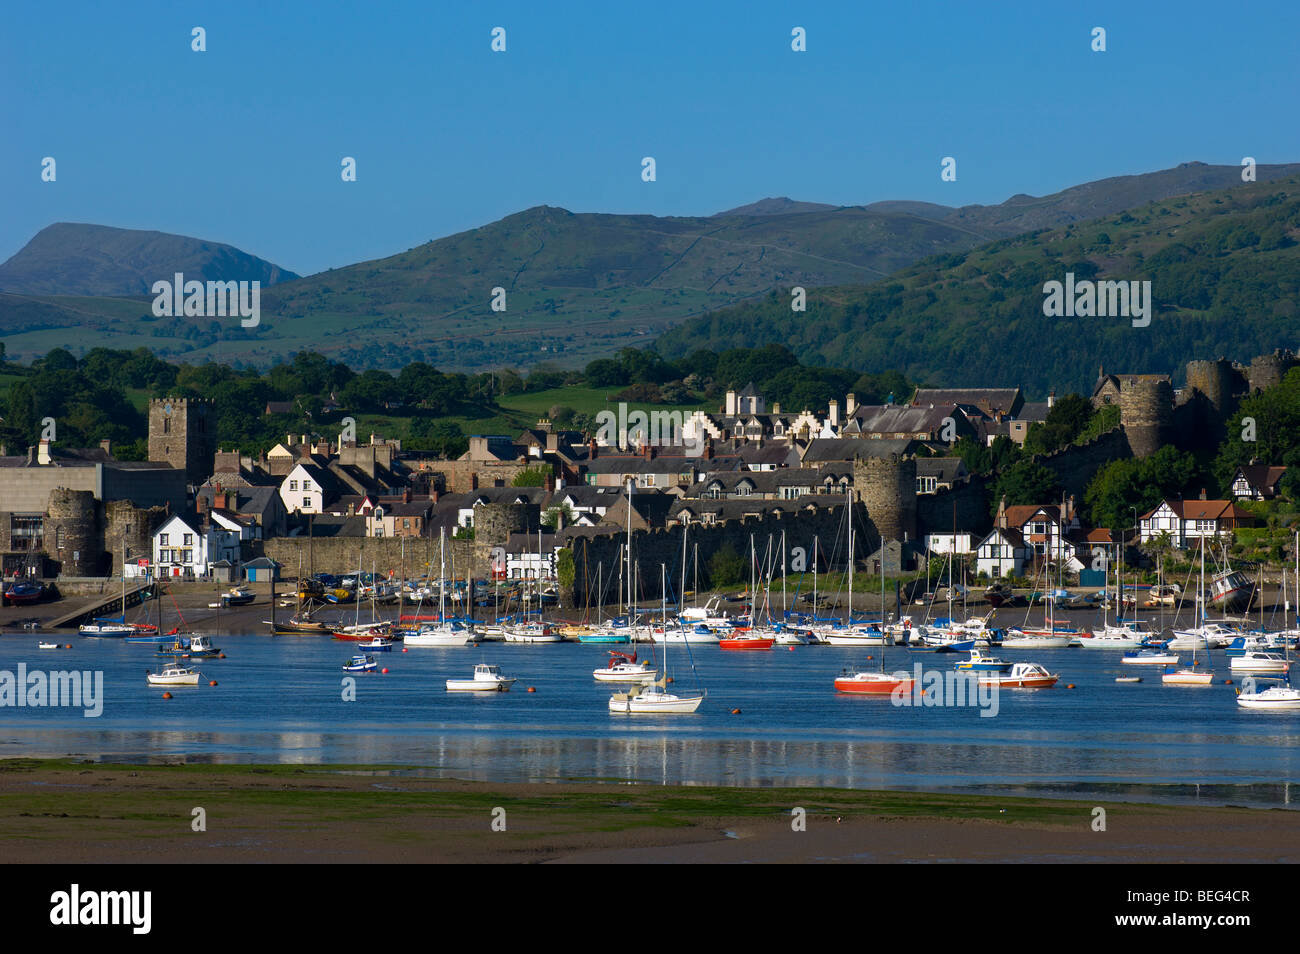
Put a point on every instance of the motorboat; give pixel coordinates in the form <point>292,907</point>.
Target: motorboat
<point>23,594</point>
<point>487,678</point>
<point>857,634</point>
<point>979,662</point>
<point>533,631</point>
<point>1023,675</point>
<point>361,663</point>
<point>44,645</point>
<point>1275,698</point>
<point>238,596</point>
<point>624,667</point>
<point>1257,661</point>
<point>174,675</point>
<point>377,645</point>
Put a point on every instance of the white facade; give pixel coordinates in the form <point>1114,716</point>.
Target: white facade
<point>301,492</point>
<point>1001,554</point>
<point>181,550</point>
<point>960,543</point>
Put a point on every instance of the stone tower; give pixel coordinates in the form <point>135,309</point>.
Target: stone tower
<point>72,532</point>
<point>183,433</point>
<point>1146,404</point>
<point>887,485</point>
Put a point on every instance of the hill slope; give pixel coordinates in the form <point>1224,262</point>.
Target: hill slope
<point>74,259</point>
<point>1225,273</point>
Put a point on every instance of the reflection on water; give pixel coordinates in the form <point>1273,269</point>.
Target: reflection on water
<point>280,701</point>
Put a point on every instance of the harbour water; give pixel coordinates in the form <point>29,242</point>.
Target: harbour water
<point>282,700</point>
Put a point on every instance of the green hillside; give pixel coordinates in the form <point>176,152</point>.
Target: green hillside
<point>1225,273</point>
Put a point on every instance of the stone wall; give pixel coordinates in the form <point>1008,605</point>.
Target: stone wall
<point>343,555</point>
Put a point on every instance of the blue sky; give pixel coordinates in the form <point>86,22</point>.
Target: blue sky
<point>242,143</point>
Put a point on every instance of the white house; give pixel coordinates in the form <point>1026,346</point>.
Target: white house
<point>959,543</point>
<point>1188,521</point>
<point>181,549</point>
<point>1003,552</point>
<point>303,489</point>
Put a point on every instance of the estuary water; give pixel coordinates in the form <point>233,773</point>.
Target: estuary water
<point>282,700</point>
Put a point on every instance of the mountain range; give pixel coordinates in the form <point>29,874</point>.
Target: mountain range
<point>574,286</point>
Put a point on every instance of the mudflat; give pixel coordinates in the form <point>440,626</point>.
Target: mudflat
<point>65,811</point>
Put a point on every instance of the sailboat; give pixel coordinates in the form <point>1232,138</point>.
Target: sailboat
<point>1193,676</point>
<point>443,632</point>
<point>654,696</point>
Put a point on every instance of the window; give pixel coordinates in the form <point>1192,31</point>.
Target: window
<point>306,502</point>
<point>186,556</point>
<point>293,485</point>
<point>189,540</point>
<point>162,539</point>
<point>306,485</point>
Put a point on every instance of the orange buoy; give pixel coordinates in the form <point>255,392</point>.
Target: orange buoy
<point>871,657</point>
<point>1227,682</point>
<point>167,695</point>
<point>212,683</point>
<point>735,712</point>
<point>1070,686</point>
<point>531,689</point>
<point>69,646</point>
<point>221,655</point>
<point>670,679</point>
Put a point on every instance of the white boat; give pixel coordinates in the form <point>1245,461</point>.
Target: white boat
<point>653,697</point>
<point>173,675</point>
<point>1205,636</point>
<point>533,632</point>
<point>1274,698</point>
<point>1019,639</point>
<point>1023,675</point>
<point>1150,657</point>
<point>699,634</point>
<point>1262,662</point>
<point>625,668</point>
<point>447,633</point>
<point>107,627</point>
<point>487,678</point>
<point>859,634</point>
<point>47,645</point>
<point>1194,676</point>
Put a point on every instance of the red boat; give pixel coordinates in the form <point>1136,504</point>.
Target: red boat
<point>745,641</point>
<point>873,683</point>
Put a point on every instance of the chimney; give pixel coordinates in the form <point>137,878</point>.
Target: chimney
<point>591,449</point>
<point>31,455</point>
<point>776,408</point>
<point>1051,398</point>
<point>548,482</point>
<point>107,447</point>
<point>647,451</point>
<point>1203,493</point>
<point>708,449</point>
<point>835,413</point>
<point>731,409</point>
<point>850,404</point>
<point>43,452</point>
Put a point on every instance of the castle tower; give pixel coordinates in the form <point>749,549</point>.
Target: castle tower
<point>1218,381</point>
<point>887,485</point>
<point>183,433</point>
<point>1267,370</point>
<point>72,532</point>
<point>1146,403</point>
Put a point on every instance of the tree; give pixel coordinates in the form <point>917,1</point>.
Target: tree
<point>532,477</point>
<point>1026,482</point>
<point>726,567</point>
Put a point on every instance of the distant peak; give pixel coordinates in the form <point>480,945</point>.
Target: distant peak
<point>781,205</point>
